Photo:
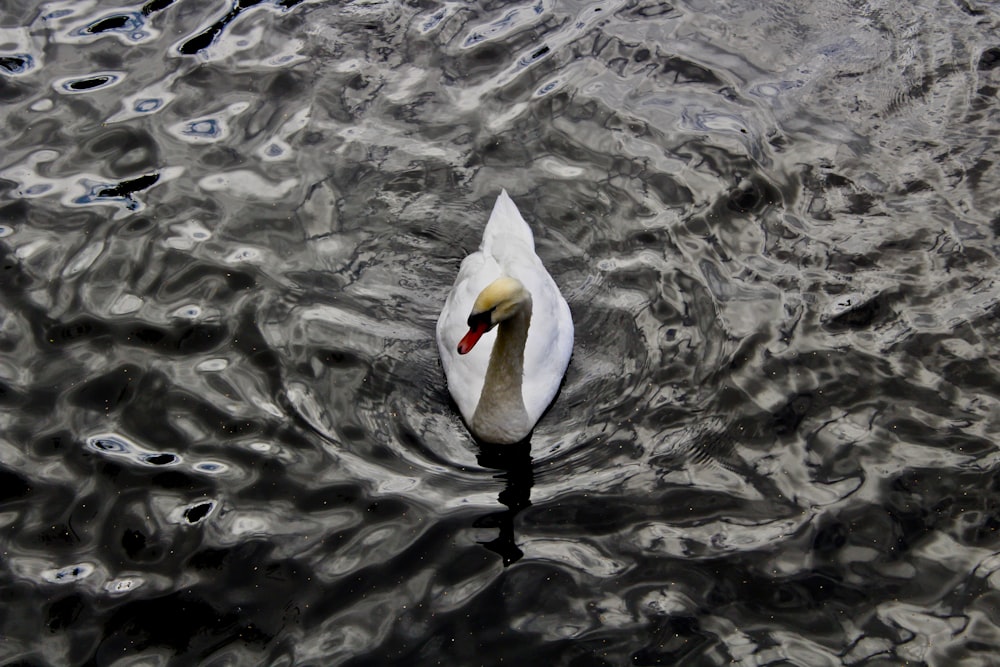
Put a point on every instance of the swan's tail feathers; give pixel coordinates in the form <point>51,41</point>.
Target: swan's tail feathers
<point>506,226</point>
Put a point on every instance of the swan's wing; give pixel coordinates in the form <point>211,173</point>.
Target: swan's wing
<point>509,240</point>
<point>549,345</point>
<point>466,372</point>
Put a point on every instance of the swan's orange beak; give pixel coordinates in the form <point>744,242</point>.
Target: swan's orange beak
<point>476,331</point>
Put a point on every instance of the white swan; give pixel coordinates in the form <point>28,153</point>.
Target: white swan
<point>505,333</point>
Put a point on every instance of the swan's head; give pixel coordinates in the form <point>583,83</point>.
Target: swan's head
<point>500,300</point>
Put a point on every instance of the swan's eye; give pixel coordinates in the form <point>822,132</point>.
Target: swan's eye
<point>483,319</point>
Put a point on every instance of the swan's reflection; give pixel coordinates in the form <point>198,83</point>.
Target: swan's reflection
<point>514,462</point>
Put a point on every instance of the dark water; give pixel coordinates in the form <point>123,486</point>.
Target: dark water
<point>226,232</point>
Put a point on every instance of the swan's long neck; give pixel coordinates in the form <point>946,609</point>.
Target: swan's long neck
<point>500,416</point>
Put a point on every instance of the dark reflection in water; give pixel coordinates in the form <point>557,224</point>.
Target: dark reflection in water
<point>517,475</point>
<point>226,232</point>
<point>205,38</point>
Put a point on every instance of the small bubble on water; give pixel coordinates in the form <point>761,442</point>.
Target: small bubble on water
<point>188,312</point>
<point>203,128</point>
<point>68,574</point>
<point>161,459</point>
<point>547,88</point>
<point>123,585</point>
<point>108,24</point>
<point>88,84</point>
<point>148,105</point>
<point>211,467</point>
<point>197,513</point>
<point>110,443</point>
<point>244,255</point>
<point>16,63</point>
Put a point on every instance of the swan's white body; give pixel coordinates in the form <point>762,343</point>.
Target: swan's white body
<point>493,413</point>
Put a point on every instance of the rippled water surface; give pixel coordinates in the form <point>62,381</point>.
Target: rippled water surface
<point>226,234</point>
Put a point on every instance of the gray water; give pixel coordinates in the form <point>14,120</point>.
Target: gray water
<point>226,234</point>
